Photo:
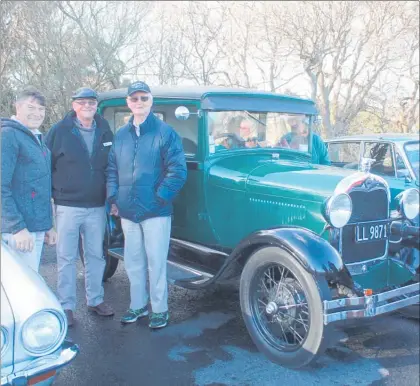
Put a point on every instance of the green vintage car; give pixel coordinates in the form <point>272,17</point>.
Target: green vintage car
<point>309,243</point>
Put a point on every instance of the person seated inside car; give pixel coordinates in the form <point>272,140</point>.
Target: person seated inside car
<point>241,134</point>
<point>298,139</point>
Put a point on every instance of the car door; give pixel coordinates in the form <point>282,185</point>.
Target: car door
<point>189,221</point>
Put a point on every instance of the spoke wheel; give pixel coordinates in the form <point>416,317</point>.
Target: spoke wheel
<point>282,307</point>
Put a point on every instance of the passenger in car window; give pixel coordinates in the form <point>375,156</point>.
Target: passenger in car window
<point>298,139</point>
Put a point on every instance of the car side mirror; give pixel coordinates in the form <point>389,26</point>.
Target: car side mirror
<point>182,113</point>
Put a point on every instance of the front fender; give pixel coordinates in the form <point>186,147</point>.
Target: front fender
<point>314,253</point>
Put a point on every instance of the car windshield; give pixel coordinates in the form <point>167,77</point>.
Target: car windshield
<point>412,151</point>
<point>230,130</point>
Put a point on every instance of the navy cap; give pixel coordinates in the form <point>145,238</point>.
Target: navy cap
<point>85,93</point>
<point>138,86</point>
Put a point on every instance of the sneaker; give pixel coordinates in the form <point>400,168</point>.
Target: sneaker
<point>132,315</point>
<point>159,319</point>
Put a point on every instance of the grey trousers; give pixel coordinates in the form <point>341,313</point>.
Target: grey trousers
<point>146,248</point>
<point>90,223</point>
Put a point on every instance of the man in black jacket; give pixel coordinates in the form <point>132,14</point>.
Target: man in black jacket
<point>79,147</point>
<point>146,171</point>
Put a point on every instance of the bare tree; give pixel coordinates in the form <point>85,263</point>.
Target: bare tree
<point>201,27</point>
<point>165,46</point>
<point>75,44</point>
<point>358,60</point>
<point>409,102</point>
<point>344,48</point>
<point>274,55</point>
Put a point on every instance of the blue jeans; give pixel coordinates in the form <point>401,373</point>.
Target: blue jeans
<point>146,248</point>
<point>90,223</point>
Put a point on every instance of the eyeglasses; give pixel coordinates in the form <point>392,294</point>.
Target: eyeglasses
<point>143,98</point>
<point>89,102</point>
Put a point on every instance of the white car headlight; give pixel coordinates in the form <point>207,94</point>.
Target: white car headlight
<point>409,203</point>
<point>337,210</point>
<point>42,333</point>
<point>4,340</point>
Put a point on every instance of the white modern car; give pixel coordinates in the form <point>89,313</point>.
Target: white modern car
<point>33,326</point>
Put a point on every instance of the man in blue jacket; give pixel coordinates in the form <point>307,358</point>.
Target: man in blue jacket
<point>26,212</point>
<point>79,147</point>
<point>146,171</point>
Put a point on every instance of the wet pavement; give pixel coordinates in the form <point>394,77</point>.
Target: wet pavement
<point>206,343</point>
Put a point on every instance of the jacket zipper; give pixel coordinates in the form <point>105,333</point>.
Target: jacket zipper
<point>43,150</point>
<point>136,146</point>
<point>96,142</point>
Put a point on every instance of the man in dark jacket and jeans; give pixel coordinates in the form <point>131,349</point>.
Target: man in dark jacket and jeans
<point>26,212</point>
<point>79,147</point>
<point>146,171</point>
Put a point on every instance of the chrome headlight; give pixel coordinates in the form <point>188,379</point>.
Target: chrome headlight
<point>409,203</point>
<point>337,210</point>
<point>43,332</point>
<point>4,339</point>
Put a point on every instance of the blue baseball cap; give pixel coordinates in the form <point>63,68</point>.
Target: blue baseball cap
<point>85,93</point>
<point>138,86</point>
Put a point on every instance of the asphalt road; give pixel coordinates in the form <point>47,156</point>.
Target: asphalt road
<point>206,343</point>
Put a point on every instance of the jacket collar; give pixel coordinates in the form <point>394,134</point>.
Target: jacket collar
<point>15,124</point>
<point>70,117</point>
<point>145,127</point>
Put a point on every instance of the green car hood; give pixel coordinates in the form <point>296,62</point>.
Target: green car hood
<point>258,192</point>
<point>301,181</point>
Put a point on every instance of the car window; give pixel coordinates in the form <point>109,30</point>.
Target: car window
<point>382,154</point>
<point>344,154</point>
<point>413,155</point>
<point>232,130</point>
<point>187,130</point>
<point>402,170</point>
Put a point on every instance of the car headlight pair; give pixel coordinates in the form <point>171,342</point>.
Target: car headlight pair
<point>43,333</point>
<point>338,209</point>
<point>408,203</point>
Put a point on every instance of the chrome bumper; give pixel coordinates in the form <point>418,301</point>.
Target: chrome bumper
<point>369,306</point>
<point>68,353</point>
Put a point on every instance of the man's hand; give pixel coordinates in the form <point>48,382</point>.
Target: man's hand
<point>51,237</point>
<point>114,210</point>
<point>23,241</point>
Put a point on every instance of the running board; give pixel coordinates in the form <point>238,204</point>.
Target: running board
<point>184,276</point>
<point>177,274</point>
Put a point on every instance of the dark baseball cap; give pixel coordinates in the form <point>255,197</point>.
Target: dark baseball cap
<point>138,86</point>
<point>85,93</point>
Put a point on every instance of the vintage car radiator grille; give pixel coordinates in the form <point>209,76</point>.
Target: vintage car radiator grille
<point>367,206</point>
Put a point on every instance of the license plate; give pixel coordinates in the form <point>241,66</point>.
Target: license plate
<point>371,231</point>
